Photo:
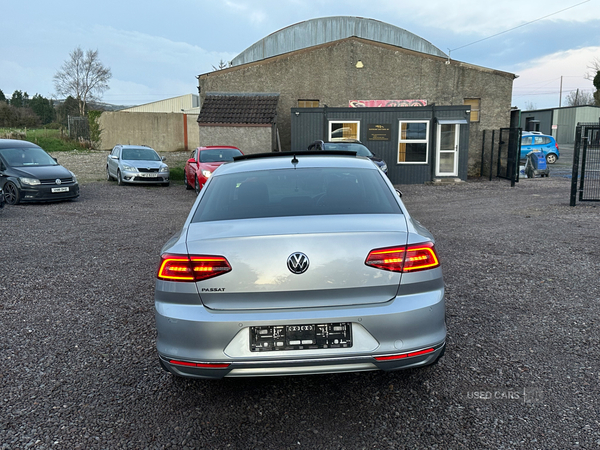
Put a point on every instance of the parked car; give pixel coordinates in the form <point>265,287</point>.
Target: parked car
<point>536,142</point>
<point>1,199</point>
<point>350,146</point>
<point>199,168</point>
<point>29,174</point>
<point>136,164</point>
<point>297,263</point>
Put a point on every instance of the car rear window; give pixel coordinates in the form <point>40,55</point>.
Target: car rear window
<point>219,155</point>
<point>296,192</point>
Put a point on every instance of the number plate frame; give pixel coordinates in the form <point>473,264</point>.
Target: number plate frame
<point>300,337</point>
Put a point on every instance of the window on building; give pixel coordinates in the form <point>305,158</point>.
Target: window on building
<point>308,103</point>
<point>413,142</point>
<point>344,131</point>
<point>475,104</point>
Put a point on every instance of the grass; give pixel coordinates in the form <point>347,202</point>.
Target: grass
<point>176,174</point>
<point>49,139</point>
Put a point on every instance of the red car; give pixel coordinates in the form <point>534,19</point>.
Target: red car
<point>203,163</point>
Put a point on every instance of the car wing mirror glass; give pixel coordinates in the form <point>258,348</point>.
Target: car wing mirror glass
<point>399,192</point>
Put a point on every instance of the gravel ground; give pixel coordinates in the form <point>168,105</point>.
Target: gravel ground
<point>521,371</point>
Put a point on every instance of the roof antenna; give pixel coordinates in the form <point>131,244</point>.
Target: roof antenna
<point>294,159</point>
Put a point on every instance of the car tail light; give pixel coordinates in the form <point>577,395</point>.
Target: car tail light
<point>404,355</point>
<point>201,365</point>
<point>409,258</point>
<point>191,267</point>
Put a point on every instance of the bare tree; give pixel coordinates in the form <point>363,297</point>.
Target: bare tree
<point>83,77</point>
<point>593,69</point>
<point>579,98</point>
<point>222,65</point>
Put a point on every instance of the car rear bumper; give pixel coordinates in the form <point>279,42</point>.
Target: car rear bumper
<point>408,331</point>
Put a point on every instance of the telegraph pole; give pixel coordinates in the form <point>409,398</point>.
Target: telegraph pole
<point>560,98</point>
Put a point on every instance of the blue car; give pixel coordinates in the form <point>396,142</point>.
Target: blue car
<point>535,142</point>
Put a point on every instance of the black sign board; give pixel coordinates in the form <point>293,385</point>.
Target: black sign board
<point>379,132</point>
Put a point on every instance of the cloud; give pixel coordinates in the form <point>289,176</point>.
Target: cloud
<point>539,80</point>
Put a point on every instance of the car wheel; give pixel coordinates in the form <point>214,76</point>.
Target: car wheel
<point>12,195</point>
<point>108,177</point>
<point>551,158</point>
<point>120,181</point>
<point>166,184</point>
<point>196,185</point>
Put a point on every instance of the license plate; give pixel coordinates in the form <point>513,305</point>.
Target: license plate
<point>148,175</point>
<point>300,337</point>
<point>60,189</point>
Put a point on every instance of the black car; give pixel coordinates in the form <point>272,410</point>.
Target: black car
<point>350,146</point>
<point>29,174</point>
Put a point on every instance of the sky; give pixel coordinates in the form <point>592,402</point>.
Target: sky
<point>156,49</point>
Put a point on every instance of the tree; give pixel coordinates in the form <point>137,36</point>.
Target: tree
<point>222,65</point>
<point>69,107</point>
<point>579,98</point>
<point>19,99</point>
<point>83,77</point>
<point>43,108</point>
<point>596,82</point>
<point>2,97</point>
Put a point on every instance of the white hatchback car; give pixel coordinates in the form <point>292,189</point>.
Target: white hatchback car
<point>298,263</point>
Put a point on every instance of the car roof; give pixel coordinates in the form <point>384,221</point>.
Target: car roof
<point>16,143</point>
<point>295,160</point>
<point>210,147</point>
<point>135,146</point>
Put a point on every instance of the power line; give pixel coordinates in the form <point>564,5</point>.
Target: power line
<point>519,26</point>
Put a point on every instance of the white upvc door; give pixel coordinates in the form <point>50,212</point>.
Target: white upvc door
<point>447,150</point>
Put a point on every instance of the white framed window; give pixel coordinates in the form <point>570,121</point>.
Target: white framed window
<point>344,130</point>
<point>413,142</point>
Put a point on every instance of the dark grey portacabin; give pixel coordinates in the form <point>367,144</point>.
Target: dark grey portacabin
<point>298,263</point>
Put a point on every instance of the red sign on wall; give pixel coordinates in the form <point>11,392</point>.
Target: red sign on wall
<point>383,103</point>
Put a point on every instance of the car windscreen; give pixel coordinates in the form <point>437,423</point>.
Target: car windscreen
<point>140,154</point>
<point>219,155</point>
<point>32,156</point>
<point>360,149</point>
<point>296,192</point>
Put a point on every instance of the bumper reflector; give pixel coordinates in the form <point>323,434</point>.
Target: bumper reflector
<point>404,355</point>
<point>201,365</point>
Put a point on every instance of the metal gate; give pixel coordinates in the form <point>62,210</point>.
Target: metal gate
<point>586,174</point>
<point>504,151</point>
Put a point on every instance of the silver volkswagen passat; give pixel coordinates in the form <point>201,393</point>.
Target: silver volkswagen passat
<point>298,263</point>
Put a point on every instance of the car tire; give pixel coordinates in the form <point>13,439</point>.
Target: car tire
<point>108,177</point>
<point>120,181</point>
<point>12,195</point>
<point>551,158</point>
<point>166,184</point>
<point>196,185</point>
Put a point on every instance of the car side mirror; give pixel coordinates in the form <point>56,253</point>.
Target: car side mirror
<point>113,157</point>
<point>399,192</point>
<point>163,158</point>
<point>191,160</point>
